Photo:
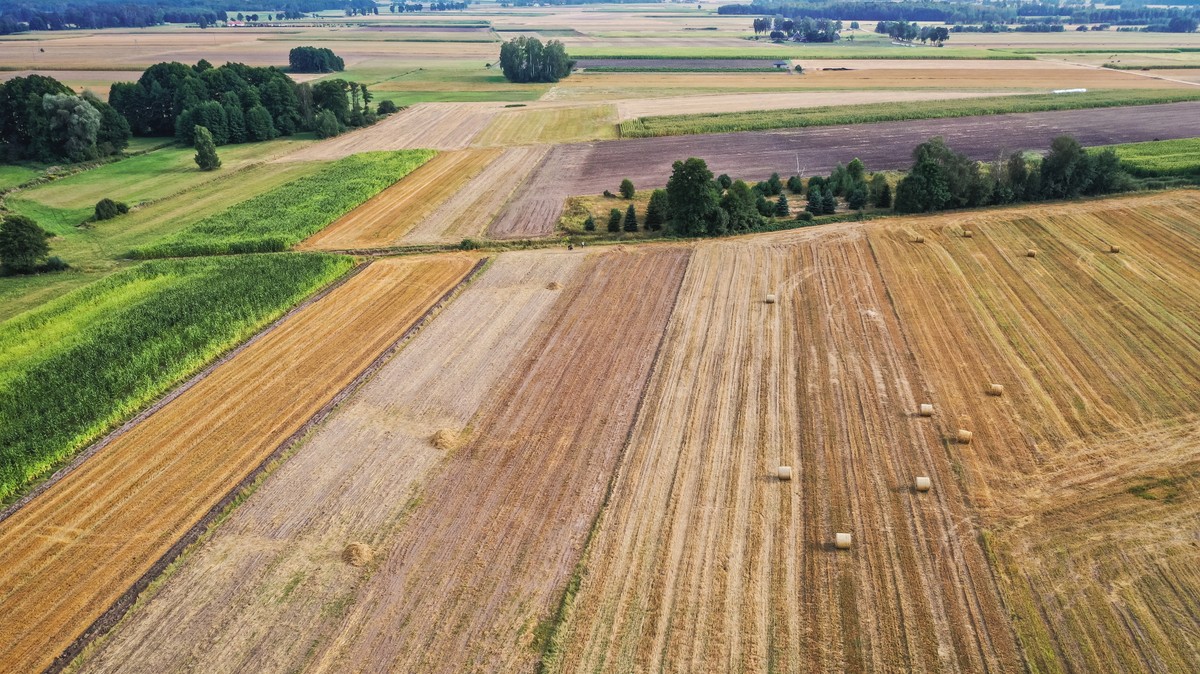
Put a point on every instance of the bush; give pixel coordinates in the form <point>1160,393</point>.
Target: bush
<point>326,125</point>
<point>804,216</point>
<point>22,245</point>
<point>880,191</point>
<point>589,225</point>
<point>796,185</point>
<point>609,195</point>
<point>386,108</point>
<point>857,197</point>
<point>55,263</point>
<point>724,181</point>
<point>469,244</point>
<point>627,190</point>
<point>107,209</point>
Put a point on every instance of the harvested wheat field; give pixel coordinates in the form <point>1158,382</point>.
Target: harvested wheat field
<point>536,204</point>
<point>74,550</point>
<point>389,215</point>
<point>435,126</point>
<point>778,100</point>
<point>468,212</point>
<point>1086,470</point>
<point>550,124</point>
<point>706,561</point>
<point>268,592</point>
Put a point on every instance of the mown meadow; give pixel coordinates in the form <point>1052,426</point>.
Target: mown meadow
<point>79,365</point>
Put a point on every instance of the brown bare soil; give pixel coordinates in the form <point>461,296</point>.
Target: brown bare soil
<point>468,212</point>
<point>268,591</point>
<point>590,168</point>
<point>435,126</point>
<point>489,549</point>
<point>390,215</point>
<point>705,561</point>
<point>67,555</point>
<point>1086,470</point>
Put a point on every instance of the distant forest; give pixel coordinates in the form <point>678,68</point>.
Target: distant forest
<point>1130,14</point>
<point>24,15</point>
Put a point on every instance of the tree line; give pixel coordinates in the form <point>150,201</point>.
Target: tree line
<point>237,103</point>
<point>41,119</point>
<point>314,60</point>
<point>27,15</point>
<point>909,32</point>
<point>803,29</point>
<point>697,204</point>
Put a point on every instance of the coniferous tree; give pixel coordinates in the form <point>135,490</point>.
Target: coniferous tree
<point>206,150</point>
<point>631,223</point>
<point>614,220</point>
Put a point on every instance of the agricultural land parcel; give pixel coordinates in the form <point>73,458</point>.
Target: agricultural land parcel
<point>127,505</point>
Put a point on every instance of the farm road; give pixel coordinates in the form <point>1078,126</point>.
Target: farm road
<point>589,168</point>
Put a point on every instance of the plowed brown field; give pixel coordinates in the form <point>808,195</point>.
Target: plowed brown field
<point>469,211</point>
<point>707,562</point>
<point>389,215</point>
<point>1087,470</point>
<point>268,591</point>
<point>488,550</point>
<point>69,554</point>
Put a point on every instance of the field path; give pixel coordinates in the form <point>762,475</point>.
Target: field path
<point>70,553</point>
<point>591,168</point>
<point>488,551</point>
<point>705,561</point>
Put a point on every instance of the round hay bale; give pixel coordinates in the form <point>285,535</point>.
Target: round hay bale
<point>1114,249</point>
<point>964,436</point>
<point>923,483</point>
<point>1031,253</point>
<point>968,234</point>
<point>357,554</point>
<point>842,541</point>
<point>769,299</point>
<point>553,285</point>
<point>995,389</point>
<point>784,473</point>
<point>445,439</point>
<point>920,238</point>
<point>926,410</point>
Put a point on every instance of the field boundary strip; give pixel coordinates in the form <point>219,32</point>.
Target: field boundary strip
<point>121,606</point>
<point>171,395</point>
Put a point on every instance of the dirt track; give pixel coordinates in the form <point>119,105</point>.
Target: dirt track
<point>590,168</point>
<point>66,556</point>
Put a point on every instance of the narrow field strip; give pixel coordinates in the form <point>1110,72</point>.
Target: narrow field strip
<point>270,586</point>
<point>550,125</point>
<point>488,551</point>
<point>386,218</point>
<point>468,212</point>
<point>69,554</point>
<point>437,126</point>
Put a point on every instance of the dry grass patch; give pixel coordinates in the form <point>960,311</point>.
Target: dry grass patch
<point>550,125</point>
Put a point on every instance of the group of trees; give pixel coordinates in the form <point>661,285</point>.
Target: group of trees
<point>942,179</point>
<point>400,7</point>
<point>803,29</point>
<point>903,30</point>
<point>26,15</point>
<point>43,120</point>
<point>526,59</point>
<point>238,103</point>
<point>314,60</point>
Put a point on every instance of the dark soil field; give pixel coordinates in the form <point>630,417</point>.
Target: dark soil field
<point>754,155</point>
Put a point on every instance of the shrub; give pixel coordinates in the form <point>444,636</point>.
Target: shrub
<point>880,191</point>
<point>326,125</point>
<point>804,216</point>
<point>609,195</point>
<point>856,198</point>
<point>724,181</point>
<point>796,185</point>
<point>469,244</point>
<point>627,190</point>
<point>387,108</point>
<point>22,244</point>
<point>107,209</point>
<point>55,263</point>
<point>589,225</point>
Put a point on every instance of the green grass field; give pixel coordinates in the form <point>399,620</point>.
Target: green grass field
<point>78,366</point>
<point>794,51</point>
<point>62,204</point>
<point>11,176</point>
<point>678,125</point>
<point>1161,158</point>
<point>277,219</point>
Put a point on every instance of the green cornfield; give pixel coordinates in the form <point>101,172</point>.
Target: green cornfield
<point>1161,158</point>
<point>278,219</point>
<point>679,125</point>
<point>80,365</point>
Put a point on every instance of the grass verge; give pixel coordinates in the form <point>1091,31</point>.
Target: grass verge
<point>678,125</point>
<point>290,213</point>
<point>76,367</point>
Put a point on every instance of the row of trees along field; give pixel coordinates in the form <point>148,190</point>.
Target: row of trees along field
<point>237,103</point>
<point>314,60</point>
<point>41,119</point>
<point>697,204</point>
<point>803,29</point>
<point>526,59</point>
<point>26,15</point>
<point>909,32</point>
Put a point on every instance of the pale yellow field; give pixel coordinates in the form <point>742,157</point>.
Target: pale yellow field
<point>555,124</point>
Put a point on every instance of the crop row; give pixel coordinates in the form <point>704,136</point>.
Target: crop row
<point>760,120</point>
<point>275,220</point>
<point>1162,158</point>
<point>76,367</point>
